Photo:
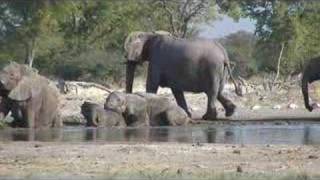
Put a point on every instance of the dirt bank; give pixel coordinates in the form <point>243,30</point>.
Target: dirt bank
<point>25,159</point>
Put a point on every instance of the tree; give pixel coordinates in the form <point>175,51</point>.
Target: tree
<point>285,25</point>
<point>23,22</point>
<point>183,14</point>
<point>240,47</point>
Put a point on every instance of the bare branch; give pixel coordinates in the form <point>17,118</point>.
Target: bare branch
<point>184,8</point>
<point>102,34</point>
<point>170,13</point>
<point>192,13</point>
<point>196,10</point>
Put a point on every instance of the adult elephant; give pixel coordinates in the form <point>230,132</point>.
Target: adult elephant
<point>311,73</point>
<point>182,65</point>
<point>33,100</point>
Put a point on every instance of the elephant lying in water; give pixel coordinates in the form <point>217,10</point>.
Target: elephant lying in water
<point>182,65</point>
<point>147,109</point>
<point>97,116</point>
<point>131,106</point>
<point>311,73</point>
<point>34,102</point>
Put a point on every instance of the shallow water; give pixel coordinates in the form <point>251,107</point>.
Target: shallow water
<point>302,133</point>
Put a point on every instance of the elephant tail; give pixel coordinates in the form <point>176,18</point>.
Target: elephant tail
<point>237,86</point>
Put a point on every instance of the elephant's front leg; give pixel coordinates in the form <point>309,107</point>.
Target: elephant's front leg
<point>153,80</point>
<point>31,118</point>
<point>181,101</point>
<point>306,94</point>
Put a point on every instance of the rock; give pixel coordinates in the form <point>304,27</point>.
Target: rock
<point>312,157</point>
<point>315,105</point>
<point>37,145</point>
<point>239,169</point>
<point>255,107</point>
<point>179,171</point>
<point>276,107</point>
<point>236,151</point>
<point>199,144</point>
<point>292,106</point>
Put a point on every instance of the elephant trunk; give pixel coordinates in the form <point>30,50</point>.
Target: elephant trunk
<point>304,87</point>
<point>131,66</point>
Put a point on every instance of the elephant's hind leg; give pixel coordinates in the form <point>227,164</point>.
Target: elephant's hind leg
<point>211,113</point>
<point>212,95</point>
<point>227,104</point>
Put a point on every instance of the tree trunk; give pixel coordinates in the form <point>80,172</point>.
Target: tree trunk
<point>279,64</point>
<point>30,52</point>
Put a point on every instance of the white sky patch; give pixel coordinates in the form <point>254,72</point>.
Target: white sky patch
<point>225,26</point>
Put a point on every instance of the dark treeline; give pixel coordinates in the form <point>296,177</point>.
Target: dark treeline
<point>83,39</point>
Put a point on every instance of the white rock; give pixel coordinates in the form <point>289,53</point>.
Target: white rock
<point>315,105</point>
<point>255,107</point>
<point>293,106</point>
<point>276,107</point>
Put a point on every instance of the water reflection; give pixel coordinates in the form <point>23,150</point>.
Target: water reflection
<point>228,134</point>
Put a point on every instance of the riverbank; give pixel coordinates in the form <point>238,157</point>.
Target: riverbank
<point>156,160</point>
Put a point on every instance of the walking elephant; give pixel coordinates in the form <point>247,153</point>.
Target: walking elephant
<point>311,73</point>
<point>33,100</point>
<point>97,116</point>
<point>182,65</point>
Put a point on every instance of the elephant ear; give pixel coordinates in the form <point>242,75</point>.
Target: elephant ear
<point>25,90</point>
<point>134,44</point>
<point>130,38</point>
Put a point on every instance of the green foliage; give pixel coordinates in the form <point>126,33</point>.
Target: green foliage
<point>84,39</point>
<point>292,22</point>
<point>240,47</point>
<point>81,39</point>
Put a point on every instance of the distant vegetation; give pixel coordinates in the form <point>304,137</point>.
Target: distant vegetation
<point>82,39</point>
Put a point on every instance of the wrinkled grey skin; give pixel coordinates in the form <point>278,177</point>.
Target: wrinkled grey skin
<point>97,116</point>
<point>132,107</point>
<point>162,112</point>
<point>142,107</point>
<point>182,65</point>
<point>311,73</point>
<point>34,103</point>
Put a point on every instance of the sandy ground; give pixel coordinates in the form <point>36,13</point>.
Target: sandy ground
<point>23,159</point>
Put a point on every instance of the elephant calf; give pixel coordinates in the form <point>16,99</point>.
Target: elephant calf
<point>163,112</point>
<point>147,109</point>
<point>97,116</point>
<point>33,101</point>
<point>133,108</point>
